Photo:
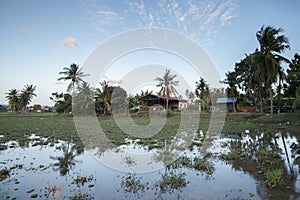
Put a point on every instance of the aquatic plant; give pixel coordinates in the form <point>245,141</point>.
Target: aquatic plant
<point>274,177</point>
<point>133,185</point>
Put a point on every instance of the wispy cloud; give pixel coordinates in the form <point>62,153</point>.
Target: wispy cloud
<point>196,18</point>
<point>69,42</point>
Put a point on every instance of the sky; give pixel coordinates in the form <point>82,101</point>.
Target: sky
<point>39,38</point>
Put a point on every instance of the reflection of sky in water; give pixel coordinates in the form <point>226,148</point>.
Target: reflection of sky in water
<point>37,173</point>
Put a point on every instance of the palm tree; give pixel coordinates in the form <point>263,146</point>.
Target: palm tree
<point>272,44</point>
<point>167,84</point>
<point>74,74</point>
<point>231,90</point>
<point>103,96</point>
<point>67,161</point>
<point>13,99</point>
<point>202,92</point>
<point>26,95</point>
<point>84,99</point>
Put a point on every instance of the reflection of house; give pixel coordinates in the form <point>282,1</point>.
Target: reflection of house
<point>175,103</point>
<point>226,104</point>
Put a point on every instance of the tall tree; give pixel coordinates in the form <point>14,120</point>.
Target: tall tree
<point>84,100</point>
<point>296,104</point>
<point>293,76</point>
<point>167,84</point>
<point>202,92</point>
<point>63,102</point>
<point>190,95</point>
<point>250,79</point>
<point>13,99</point>
<point>103,97</point>
<point>26,95</point>
<point>74,74</point>
<point>231,90</point>
<point>272,44</point>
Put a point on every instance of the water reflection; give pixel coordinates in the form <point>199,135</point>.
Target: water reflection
<point>269,159</point>
<point>66,162</point>
<point>249,166</point>
<point>133,186</point>
<point>172,183</point>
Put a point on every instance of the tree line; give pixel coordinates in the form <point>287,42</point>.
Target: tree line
<point>18,100</point>
<point>255,80</point>
<point>260,75</point>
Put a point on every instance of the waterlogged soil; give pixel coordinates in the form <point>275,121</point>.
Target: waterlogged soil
<point>42,157</point>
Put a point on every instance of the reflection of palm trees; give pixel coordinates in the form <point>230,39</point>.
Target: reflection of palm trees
<point>167,155</point>
<point>259,155</point>
<point>67,161</point>
<point>171,182</point>
<point>132,184</point>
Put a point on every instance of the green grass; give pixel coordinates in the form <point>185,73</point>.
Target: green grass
<point>19,126</point>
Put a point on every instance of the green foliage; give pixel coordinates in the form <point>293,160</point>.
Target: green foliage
<point>296,104</point>
<point>74,74</point>
<point>204,165</point>
<point>18,102</point>
<point>202,92</point>
<point>190,95</point>
<point>37,107</point>
<point>258,72</point>
<point>274,177</point>
<point>3,108</point>
<point>84,100</point>
<point>119,100</point>
<point>167,84</point>
<point>293,76</point>
<point>63,102</point>
<point>110,98</point>
<point>133,184</point>
<point>171,182</point>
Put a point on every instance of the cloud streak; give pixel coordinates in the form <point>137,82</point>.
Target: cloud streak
<point>69,42</point>
<point>196,18</point>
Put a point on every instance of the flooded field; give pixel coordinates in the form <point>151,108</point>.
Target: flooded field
<point>233,166</point>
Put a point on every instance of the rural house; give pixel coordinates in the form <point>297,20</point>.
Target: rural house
<point>226,104</point>
<point>175,103</point>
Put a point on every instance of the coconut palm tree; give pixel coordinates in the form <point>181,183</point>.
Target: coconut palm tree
<point>103,97</point>
<point>13,99</point>
<point>167,84</point>
<point>74,74</point>
<point>202,92</point>
<point>231,90</point>
<point>84,99</point>
<point>26,95</point>
<point>272,44</point>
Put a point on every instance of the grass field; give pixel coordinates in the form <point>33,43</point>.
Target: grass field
<point>20,126</point>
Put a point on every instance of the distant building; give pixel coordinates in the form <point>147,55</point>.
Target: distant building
<point>175,103</point>
<point>226,104</point>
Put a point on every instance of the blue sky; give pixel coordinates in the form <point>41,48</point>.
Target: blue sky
<point>39,38</point>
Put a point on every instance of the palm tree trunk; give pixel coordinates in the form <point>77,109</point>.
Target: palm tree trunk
<point>234,108</point>
<point>271,99</point>
<point>200,107</point>
<point>73,89</point>
<point>260,99</point>
<point>167,101</point>
<point>279,95</point>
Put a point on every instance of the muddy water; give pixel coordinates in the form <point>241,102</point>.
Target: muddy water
<point>62,170</point>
